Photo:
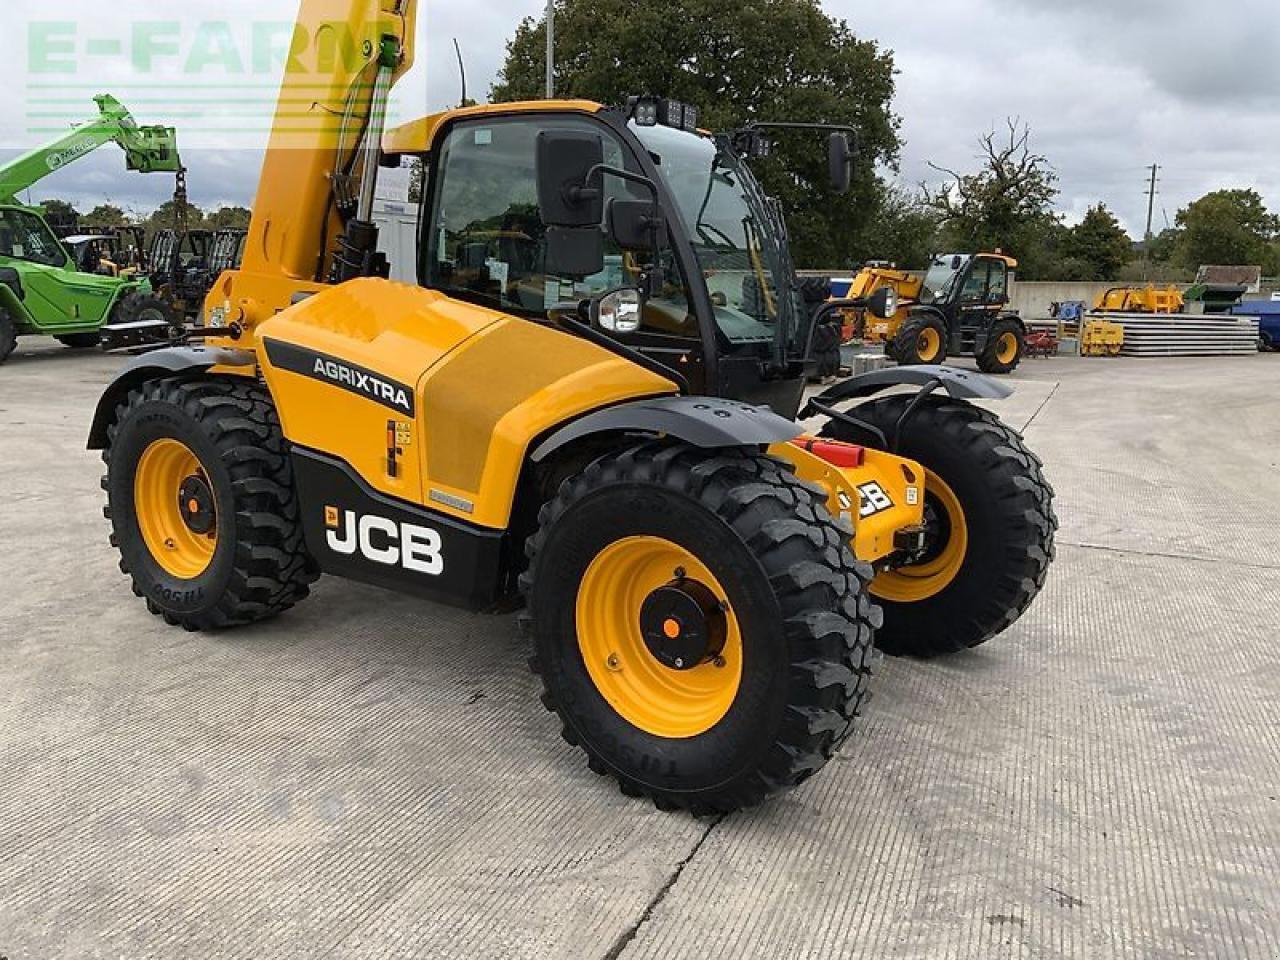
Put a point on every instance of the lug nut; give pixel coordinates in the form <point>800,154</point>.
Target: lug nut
<point>613,663</point>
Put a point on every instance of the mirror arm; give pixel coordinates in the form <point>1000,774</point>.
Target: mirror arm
<point>639,179</point>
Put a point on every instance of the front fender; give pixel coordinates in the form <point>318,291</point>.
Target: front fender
<point>704,422</point>
<point>171,362</point>
<point>959,384</point>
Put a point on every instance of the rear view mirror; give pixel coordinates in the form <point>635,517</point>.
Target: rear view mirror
<point>566,160</point>
<point>637,225</point>
<point>840,156</point>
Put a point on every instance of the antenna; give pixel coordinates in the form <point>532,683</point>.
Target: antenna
<point>462,70</point>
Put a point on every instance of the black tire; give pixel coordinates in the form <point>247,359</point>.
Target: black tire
<point>1008,508</point>
<point>138,305</point>
<point>989,360</point>
<point>827,357</point>
<point>8,336</point>
<point>1265,343</point>
<point>908,345</point>
<point>799,595</point>
<point>260,567</point>
<point>80,341</point>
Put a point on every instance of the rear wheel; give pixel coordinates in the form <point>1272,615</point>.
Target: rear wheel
<point>699,624</point>
<point>8,336</point>
<point>921,341</point>
<point>1006,344</point>
<point>80,341</point>
<point>142,307</point>
<point>827,355</point>
<point>989,512</point>
<point>202,506</point>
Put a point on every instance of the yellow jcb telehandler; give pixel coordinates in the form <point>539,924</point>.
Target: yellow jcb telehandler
<point>586,406</point>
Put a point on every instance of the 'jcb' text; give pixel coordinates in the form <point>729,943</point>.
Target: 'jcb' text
<point>383,541</point>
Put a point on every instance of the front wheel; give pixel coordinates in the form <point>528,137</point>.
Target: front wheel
<point>1006,345</point>
<point>202,505</point>
<point>991,528</point>
<point>921,341</point>
<point>699,623</point>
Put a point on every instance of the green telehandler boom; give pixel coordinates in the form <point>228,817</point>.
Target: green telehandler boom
<point>41,289</point>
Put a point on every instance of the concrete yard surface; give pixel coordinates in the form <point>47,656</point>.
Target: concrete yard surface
<point>373,776</point>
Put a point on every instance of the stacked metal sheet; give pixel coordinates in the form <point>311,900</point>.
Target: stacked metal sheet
<point>1185,335</point>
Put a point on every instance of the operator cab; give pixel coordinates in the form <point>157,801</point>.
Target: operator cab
<point>628,224</point>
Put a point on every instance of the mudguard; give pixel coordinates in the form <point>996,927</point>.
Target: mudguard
<point>159,363</point>
<point>959,384</point>
<point>704,422</point>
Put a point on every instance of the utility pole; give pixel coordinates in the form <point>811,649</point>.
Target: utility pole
<point>551,49</point>
<point>1151,213</point>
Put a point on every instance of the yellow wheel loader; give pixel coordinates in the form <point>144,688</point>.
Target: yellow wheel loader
<point>586,407</point>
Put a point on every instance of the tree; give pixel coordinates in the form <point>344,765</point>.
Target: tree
<point>1099,245</point>
<point>902,230</point>
<point>737,62</point>
<point>105,215</point>
<point>1006,205</point>
<point>1227,228</point>
<point>60,214</point>
<point>165,217</point>
<point>229,217</point>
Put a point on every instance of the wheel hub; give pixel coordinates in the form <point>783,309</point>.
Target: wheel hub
<point>195,503</point>
<point>684,625</point>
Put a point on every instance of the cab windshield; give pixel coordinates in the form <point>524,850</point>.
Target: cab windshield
<point>940,281</point>
<point>725,218</point>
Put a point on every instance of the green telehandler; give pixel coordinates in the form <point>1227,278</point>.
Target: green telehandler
<point>41,289</point>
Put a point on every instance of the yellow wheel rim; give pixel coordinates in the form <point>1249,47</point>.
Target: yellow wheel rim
<point>663,701</point>
<point>928,344</point>
<point>176,513</point>
<point>1007,348</point>
<point>929,578</point>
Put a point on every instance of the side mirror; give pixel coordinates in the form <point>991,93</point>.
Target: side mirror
<point>575,251</point>
<point>636,225</point>
<point>840,157</point>
<point>566,159</point>
<point>618,311</point>
<point>883,303</point>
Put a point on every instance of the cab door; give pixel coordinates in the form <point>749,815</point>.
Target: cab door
<point>56,296</point>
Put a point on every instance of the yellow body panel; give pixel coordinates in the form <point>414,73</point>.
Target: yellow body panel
<point>486,385</point>
<point>418,136</point>
<point>903,481</point>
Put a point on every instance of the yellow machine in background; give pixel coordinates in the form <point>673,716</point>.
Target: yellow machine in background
<point>1148,299</point>
<point>872,278</point>
<point>1102,338</point>
<point>526,426</point>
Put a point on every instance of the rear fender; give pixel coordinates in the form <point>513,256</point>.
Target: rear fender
<point>959,385</point>
<point>159,364</point>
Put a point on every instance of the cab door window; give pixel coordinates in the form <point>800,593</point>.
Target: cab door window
<point>975,287</point>
<point>998,284</point>
<point>24,236</point>
<point>484,240</point>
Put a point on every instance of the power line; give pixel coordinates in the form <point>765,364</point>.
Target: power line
<point>1152,192</point>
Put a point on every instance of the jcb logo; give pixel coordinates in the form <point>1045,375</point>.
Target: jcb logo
<point>379,540</point>
<point>874,500</point>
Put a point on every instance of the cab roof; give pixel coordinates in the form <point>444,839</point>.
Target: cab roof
<point>418,136</point>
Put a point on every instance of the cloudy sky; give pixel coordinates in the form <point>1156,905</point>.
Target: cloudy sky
<point>1108,87</point>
